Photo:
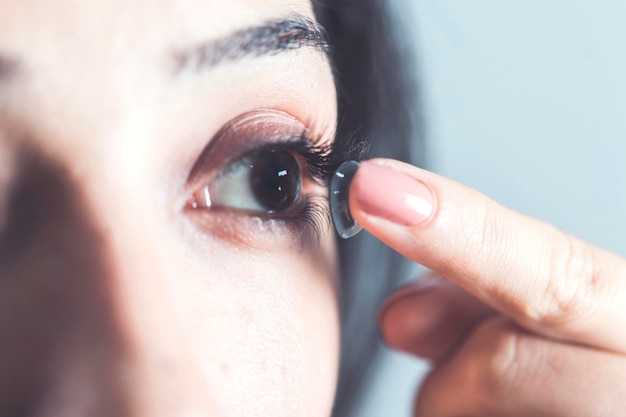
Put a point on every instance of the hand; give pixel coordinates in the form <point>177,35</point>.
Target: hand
<point>529,321</point>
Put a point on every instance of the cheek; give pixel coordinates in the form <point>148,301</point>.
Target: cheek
<point>265,331</point>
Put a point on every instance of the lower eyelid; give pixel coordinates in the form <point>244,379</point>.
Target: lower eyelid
<point>265,233</point>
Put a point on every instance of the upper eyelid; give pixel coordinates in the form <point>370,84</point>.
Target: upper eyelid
<point>244,134</point>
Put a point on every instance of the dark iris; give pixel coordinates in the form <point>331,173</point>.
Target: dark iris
<point>275,179</point>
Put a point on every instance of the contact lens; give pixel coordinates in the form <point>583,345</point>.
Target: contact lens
<point>345,225</point>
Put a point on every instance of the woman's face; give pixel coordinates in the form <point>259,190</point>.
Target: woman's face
<point>159,253</point>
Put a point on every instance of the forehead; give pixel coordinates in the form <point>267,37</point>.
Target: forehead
<point>80,25</point>
<point>106,59</point>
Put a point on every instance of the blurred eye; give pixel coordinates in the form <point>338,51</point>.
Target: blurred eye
<point>267,180</point>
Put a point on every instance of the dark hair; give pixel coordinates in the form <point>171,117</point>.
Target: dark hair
<point>376,83</point>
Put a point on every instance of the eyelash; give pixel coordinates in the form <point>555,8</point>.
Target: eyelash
<point>321,162</point>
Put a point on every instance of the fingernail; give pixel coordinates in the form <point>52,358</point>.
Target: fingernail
<point>383,192</point>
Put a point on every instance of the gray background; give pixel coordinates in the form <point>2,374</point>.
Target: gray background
<point>525,101</point>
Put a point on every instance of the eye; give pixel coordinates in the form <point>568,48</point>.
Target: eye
<point>267,180</point>
<point>262,178</point>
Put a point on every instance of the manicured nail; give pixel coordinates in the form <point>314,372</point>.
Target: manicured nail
<point>384,192</point>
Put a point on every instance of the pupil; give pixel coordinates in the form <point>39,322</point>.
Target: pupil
<point>275,179</point>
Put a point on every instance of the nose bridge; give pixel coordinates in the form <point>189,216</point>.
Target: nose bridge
<point>157,365</point>
<point>145,305</point>
<point>157,360</point>
<point>85,316</point>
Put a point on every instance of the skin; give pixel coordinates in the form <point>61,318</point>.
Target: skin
<point>528,321</point>
<point>115,298</point>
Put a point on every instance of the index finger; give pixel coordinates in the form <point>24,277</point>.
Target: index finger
<point>544,279</point>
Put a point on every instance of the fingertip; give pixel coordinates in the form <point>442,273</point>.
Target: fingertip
<point>400,318</point>
<point>429,317</point>
<point>380,191</point>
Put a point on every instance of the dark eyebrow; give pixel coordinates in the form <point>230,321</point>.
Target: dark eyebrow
<point>270,38</point>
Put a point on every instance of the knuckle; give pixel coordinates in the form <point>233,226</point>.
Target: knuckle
<point>500,364</point>
<point>508,362</point>
<point>570,282</point>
